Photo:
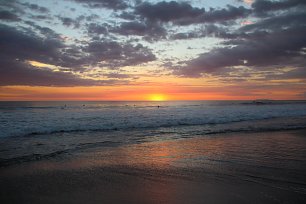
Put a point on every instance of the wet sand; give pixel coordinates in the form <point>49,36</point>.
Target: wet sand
<point>267,167</point>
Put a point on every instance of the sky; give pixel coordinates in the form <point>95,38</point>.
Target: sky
<point>152,49</point>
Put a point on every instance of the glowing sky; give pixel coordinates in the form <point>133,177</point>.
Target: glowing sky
<point>152,49</point>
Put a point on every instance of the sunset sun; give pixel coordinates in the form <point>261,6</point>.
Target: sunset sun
<point>157,97</point>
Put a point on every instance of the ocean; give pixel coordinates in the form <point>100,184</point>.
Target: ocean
<point>36,130</point>
<point>153,152</point>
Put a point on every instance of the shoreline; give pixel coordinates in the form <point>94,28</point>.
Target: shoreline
<point>228,168</point>
<point>22,149</point>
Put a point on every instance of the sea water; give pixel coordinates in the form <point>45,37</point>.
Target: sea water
<point>52,128</point>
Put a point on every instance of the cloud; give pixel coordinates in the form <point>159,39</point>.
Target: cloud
<point>225,14</point>
<point>96,29</point>
<point>76,23</point>
<point>184,14</point>
<point>99,44</point>
<point>277,22</point>
<point>49,48</point>
<point>8,16</point>
<point>36,7</point>
<point>20,73</point>
<point>167,11</point>
<point>150,30</point>
<point>262,6</point>
<point>20,47</point>
<point>45,31</point>
<point>11,6</point>
<point>209,30</point>
<point>24,44</point>
<point>18,44</point>
<point>278,45</point>
<point>114,54</point>
<point>69,22</point>
<point>127,15</point>
<point>117,75</point>
<point>110,4</point>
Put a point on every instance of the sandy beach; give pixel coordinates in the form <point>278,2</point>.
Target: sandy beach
<point>265,167</point>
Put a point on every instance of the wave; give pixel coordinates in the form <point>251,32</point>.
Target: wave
<point>54,154</point>
<point>229,126</point>
<point>145,116</point>
<point>94,144</point>
<point>28,158</point>
<point>273,102</point>
<point>3,108</point>
<point>140,104</point>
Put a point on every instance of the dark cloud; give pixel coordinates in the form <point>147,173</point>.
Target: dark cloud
<point>36,7</point>
<point>209,30</point>
<point>225,14</point>
<point>167,11</point>
<point>24,46</point>
<point>42,44</point>
<point>271,43</point>
<point>110,4</point>
<point>277,22</point>
<point>12,6</point>
<point>184,14</point>
<point>91,17</point>
<point>275,39</point>
<point>294,73</point>
<point>150,31</point>
<point>45,31</point>
<point>115,54</point>
<point>117,75</point>
<point>127,15</point>
<point>21,73</point>
<point>41,17</point>
<point>8,16</point>
<point>262,6</point>
<point>70,22</point>
<point>96,29</point>
<point>185,36</point>
<point>20,47</point>
<point>278,46</point>
<point>76,23</point>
